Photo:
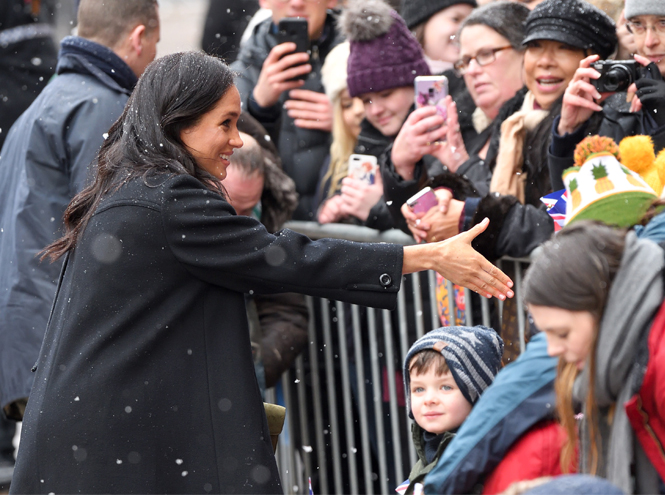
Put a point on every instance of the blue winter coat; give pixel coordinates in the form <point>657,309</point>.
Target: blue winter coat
<point>43,164</point>
<point>521,396</point>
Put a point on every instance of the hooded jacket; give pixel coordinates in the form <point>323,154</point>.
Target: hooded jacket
<point>43,164</point>
<point>302,151</point>
<point>521,396</point>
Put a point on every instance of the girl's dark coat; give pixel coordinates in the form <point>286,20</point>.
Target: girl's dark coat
<point>145,381</point>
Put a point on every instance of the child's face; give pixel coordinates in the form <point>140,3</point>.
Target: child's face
<point>436,401</point>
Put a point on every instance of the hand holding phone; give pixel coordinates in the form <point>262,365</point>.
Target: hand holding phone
<point>363,167</point>
<point>423,200</point>
<point>431,91</point>
<point>294,30</point>
<point>285,67</point>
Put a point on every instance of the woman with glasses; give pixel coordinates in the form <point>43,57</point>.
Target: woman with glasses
<point>491,62</point>
<point>638,109</point>
<point>516,162</point>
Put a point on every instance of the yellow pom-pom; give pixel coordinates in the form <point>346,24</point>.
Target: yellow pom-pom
<point>637,153</point>
<point>652,178</point>
<point>660,165</point>
<point>592,145</point>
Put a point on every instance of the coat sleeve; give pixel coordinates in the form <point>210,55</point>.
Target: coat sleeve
<point>237,252</point>
<point>514,230</point>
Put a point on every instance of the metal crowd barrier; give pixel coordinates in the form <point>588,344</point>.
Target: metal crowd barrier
<point>347,429</point>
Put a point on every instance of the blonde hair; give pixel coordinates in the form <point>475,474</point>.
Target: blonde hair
<point>343,144</point>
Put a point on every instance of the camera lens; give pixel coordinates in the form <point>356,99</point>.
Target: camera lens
<point>618,78</point>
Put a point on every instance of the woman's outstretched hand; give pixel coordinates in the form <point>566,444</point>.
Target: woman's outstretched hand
<point>458,262</point>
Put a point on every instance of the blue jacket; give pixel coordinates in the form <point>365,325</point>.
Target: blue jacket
<point>521,396</point>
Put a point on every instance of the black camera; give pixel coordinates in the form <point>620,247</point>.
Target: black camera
<point>617,75</point>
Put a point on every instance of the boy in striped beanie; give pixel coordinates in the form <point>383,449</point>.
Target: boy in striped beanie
<point>445,371</point>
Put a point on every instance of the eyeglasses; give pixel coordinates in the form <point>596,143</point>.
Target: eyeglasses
<point>482,58</point>
<point>639,29</point>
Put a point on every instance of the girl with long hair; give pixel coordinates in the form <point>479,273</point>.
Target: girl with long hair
<point>597,293</point>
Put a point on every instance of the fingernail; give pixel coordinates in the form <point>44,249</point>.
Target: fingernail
<point>511,293</point>
<point>502,297</point>
<point>510,283</point>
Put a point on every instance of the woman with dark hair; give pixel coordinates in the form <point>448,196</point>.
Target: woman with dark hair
<point>145,381</point>
<point>597,294</point>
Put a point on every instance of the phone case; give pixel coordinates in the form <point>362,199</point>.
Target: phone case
<point>431,91</point>
<point>294,30</point>
<point>423,201</point>
<point>363,167</point>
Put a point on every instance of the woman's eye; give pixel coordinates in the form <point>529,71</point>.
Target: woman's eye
<point>226,123</point>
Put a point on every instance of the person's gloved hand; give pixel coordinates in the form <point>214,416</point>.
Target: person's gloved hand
<point>652,96</point>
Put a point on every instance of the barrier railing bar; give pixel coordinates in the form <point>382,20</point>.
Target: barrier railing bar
<point>404,348</point>
<point>468,308</point>
<point>520,305</point>
<point>362,400</point>
<point>316,392</point>
<point>377,400</point>
<point>293,483</point>
<point>346,395</point>
<point>451,303</point>
<point>333,430</point>
<point>434,310</point>
<point>485,309</point>
<point>392,390</point>
<point>304,431</point>
<point>418,305</point>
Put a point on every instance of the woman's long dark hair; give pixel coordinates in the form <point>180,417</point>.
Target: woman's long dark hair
<point>172,95</point>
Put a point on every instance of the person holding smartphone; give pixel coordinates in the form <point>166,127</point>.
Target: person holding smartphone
<point>282,89</point>
<point>639,110</point>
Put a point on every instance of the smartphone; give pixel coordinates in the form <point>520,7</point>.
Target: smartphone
<point>363,167</point>
<point>431,91</point>
<point>423,200</point>
<point>294,30</point>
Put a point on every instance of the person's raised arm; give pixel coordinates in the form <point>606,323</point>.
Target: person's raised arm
<point>458,262</point>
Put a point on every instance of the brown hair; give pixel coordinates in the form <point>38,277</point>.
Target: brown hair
<point>574,271</point>
<point>424,360</point>
<point>107,21</point>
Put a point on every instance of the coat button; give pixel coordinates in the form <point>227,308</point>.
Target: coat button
<point>386,280</point>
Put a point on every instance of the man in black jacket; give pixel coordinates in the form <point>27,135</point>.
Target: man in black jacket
<point>296,113</point>
<point>45,162</point>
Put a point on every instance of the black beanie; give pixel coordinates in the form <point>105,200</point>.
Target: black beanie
<point>416,12</point>
<point>574,22</point>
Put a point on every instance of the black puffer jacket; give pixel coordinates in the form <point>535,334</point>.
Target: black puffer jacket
<point>303,151</point>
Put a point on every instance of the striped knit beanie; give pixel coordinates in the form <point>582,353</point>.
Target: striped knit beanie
<point>473,355</point>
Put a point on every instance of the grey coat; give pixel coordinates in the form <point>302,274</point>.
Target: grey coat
<point>43,164</point>
<point>303,151</point>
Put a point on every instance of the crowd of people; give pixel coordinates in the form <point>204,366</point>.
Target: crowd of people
<point>149,294</point>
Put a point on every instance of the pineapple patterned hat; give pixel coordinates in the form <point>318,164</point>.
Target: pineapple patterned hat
<point>601,188</point>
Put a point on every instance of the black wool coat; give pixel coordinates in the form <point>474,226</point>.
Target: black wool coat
<point>145,381</point>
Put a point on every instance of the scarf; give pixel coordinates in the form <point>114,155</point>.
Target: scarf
<point>634,298</point>
<point>508,177</point>
<point>96,57</point>
<point>480,120</point>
